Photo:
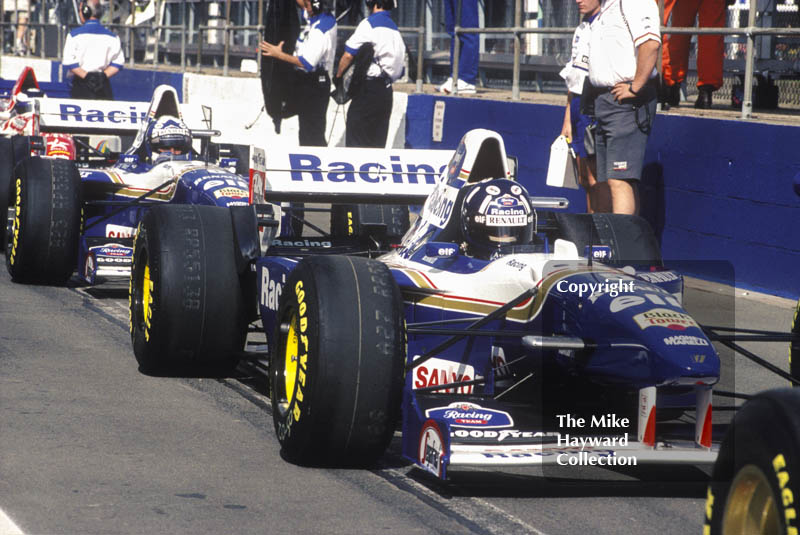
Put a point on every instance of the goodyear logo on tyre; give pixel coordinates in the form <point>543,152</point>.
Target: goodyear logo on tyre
<point>302,309</point>
<point>17,212</point>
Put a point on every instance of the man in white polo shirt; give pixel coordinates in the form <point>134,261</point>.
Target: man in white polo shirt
<point>623,49</point>
<point>92,54</point>
<point>371,107</point>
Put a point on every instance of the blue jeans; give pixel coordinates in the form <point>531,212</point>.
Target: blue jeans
<point>468,58</point>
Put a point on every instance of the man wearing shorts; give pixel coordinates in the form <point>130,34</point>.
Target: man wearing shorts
<point>623,49</point>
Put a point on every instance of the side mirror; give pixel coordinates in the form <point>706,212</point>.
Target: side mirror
<point>437,249</point>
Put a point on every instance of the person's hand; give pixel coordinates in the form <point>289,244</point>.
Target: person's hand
<point>566,131</point>
<point>95,81</point>
<point>622,90</point>
<point>269,49</point>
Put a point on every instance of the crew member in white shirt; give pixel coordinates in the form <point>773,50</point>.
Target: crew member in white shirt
<point>623,49</point>
<point>92,54</point>
<point>371,106</point>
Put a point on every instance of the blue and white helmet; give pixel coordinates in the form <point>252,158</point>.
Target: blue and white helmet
<point>496,213</point>
<point>170,134</point>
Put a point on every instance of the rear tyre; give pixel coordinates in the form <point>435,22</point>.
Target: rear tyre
<point>6,170</point>
<point>630,238</point>
<point>336,368</point>
<point>349,220</point>
<point>187,308</point>
<point>756,479</point>
<point>43,242</point>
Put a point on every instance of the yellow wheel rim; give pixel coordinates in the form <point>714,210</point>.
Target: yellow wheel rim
<point>290,361</point>
<point>751,507</point>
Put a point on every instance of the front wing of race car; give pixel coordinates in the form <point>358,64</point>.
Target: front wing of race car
<point>448,431</point>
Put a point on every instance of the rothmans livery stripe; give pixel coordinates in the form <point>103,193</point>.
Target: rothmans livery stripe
<point>522,313</point>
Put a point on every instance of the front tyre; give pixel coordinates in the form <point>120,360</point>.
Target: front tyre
<point>755,485</point>
<point>336,368</point>
<point>187,308</point>
<point>794,347</point>
<point>43,243</point>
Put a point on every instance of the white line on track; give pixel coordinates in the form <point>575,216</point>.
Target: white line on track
<point>477,510</point>
<point>7,526</point>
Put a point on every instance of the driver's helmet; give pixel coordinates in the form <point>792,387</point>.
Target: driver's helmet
<point>496,213</point>
<point>170,139</point>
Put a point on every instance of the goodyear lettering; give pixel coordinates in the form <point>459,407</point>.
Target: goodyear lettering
<point>271,290</point>
<point>17,212</point>
<point>76,113</point>
<point>311,167</point>
<point>303,357</point>
<point>787,497</point>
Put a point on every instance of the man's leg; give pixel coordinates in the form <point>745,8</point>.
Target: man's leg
<point>468,59</point>
<point>683,16</point>
<point>710,48</point>
<point>624,196</point>
<point>666,66</point>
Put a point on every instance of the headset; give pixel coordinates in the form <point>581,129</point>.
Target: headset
<point>383,4</point>
<point>320,6</point>
<point>87,12</point>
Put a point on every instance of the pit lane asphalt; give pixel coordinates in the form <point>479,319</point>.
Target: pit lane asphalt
<point>89,445</point>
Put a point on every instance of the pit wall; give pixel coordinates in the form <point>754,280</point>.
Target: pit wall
<point>712,189</point>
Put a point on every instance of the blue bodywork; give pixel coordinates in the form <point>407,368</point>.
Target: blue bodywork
<point>563,334</point>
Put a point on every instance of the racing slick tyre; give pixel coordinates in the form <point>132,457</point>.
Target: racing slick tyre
<point>348,220</point>
<point>336,369</point>
<point>43,243</point>
<point>794,347</point>
<point>187,307</point>
<point>755,484</point>
<point>6,170</point>
<point>630,237</point>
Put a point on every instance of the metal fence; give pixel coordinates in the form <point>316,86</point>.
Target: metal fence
<point>523,43</point>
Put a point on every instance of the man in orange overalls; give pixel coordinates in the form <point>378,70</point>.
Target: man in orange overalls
<point>710,49</point>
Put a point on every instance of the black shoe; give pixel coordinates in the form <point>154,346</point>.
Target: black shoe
<point>703,101</point>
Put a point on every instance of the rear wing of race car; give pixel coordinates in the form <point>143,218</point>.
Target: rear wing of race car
<point>91,116</point>
<point>353,175</point>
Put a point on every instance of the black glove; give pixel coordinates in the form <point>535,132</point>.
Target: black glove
<point>95,81</point>
<point>339,94</point>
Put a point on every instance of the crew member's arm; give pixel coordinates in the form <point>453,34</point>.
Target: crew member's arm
<point>566,128</point>
<point>344,62</point>
<point>70,60</point>
<point>645,63</point>
<point>276,51</point>
<point>117,60</point>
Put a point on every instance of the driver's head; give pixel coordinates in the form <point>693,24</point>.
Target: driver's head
<point>496,213</point>
<point>169,139</point>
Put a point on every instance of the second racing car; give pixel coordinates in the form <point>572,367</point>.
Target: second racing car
<point>67,216</point>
